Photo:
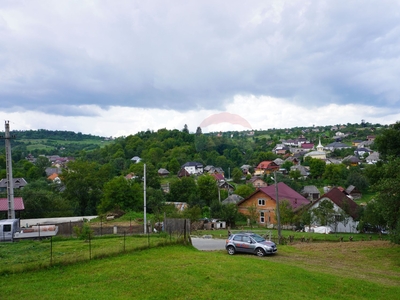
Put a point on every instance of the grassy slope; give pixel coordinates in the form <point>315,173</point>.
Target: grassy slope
<point>178,272</point>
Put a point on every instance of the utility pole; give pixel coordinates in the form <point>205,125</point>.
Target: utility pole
<point>144,198</point>
<point>277,209</point>
<point>10,181</point>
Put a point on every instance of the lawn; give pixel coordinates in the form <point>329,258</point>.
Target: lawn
<point>349,270</point>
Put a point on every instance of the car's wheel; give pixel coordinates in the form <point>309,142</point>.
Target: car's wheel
<point>260,252</point>
<point>231,250</point>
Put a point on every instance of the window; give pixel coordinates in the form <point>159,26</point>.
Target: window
<point>262,217</point>
<point>7,228</point>
<point>261,202</point>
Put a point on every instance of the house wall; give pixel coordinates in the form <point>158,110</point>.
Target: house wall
<point>351,226</point>
<point>268,208</point>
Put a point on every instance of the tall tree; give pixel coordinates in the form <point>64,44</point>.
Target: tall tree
<point>208,189</point>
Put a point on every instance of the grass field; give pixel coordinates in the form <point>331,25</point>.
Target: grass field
<point>350,270</point>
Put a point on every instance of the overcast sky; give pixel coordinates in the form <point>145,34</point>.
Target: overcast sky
<point>114,68</point>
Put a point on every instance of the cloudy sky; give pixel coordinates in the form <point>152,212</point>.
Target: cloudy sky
<point>114,68</point>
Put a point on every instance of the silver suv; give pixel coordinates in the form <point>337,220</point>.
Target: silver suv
<point>249,243</point>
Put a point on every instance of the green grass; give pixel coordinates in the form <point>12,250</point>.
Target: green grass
<point>32,255</point>
<point>182,272</point>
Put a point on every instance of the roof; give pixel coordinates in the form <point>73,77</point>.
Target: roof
<point>310,189</point>
<point>218,176</point>
<point>18,204</point>
<point>193,164</point>
<point>340,199</point>
<point>232,199</point>
<point>284,193</point>
<point>53,176</point>
<point>267,164</point>
<point>162,171</point>
<point>17,182</point>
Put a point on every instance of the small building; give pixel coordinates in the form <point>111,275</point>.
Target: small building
<point>18,206</point>
<point>18,183</point>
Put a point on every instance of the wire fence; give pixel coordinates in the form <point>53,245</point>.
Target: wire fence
<point>67,247</point>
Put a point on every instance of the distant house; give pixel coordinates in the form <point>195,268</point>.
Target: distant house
<point>163,172</point>
<point>226,186</point>
<point>18,206</point>
<point>341,204</point>
<point>307,146</point>
<point>183,173</point>
<point>232,199</point>
<point>319,153</point>
<point>130,176</point>
<point>353,192</point>
<point>310,192</point>
<point>336,145</point>
<point>352,160</point>
<point>193,167</point>
<point>373,158</point>
<point>264,202</point>
<point>54,178</point>
<point>304,172</point>
<point>18,183</point>
<point>257,182</point>
<point>245,169</point>
<point>265,167</point>
<point>136,159</point>
<point>361,151</point>
<point>51,170</point>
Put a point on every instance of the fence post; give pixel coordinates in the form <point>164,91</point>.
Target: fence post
<point>90,247</point>
<point>51,251</point>
<point>124,239</point>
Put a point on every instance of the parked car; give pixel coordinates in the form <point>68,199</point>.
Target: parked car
<point>249,243</point>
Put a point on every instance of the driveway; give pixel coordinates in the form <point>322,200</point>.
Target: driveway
<point>208,244</point>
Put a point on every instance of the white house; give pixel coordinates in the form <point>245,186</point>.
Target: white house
<point>193,168</point>
<point>341,204</point>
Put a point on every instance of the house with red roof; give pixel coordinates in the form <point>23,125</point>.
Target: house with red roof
<point>266,167</point>
<point>264,201</point>
<point>18,206</point>
<point>342,205</point>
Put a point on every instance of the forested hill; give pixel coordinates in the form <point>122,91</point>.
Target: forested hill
<point>52,134</point>
<point>50,142</point>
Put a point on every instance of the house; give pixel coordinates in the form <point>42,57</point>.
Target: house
<point>307,146</point>
<point>18,183</point>
<point>280,149</point>
<point>341,204</point>
<point>351,160</point>
<point>265,167</point>
<point>294,160</point>
<point>361,151</point>
<point>373,158</point>
<point>18,206</point>
<point>371,138</point>
<point>130,176</point>
<point>310,192</point>
<point>353,192</point>
<point>163,172</point>
<point>336,145</point>
<point>279,161</point>
<point>264,202</point>
<point>232,199</point>
<point>193,167</point>
<point>226,186</point>
<point>319,153</point>
<point>245,169</point>
<point>304,171</point>
<point>54,178</point>
<point>213,170</point>
<point>257,182</point>
<point>51,170</point>
<point>136,159</point>
<point>218,177</point>
<point>183,173</point>
<point>355,143</point>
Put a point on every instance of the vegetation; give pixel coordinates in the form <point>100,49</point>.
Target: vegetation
<point>181,272</point>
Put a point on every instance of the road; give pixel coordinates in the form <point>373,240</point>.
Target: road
<point>208,244</point>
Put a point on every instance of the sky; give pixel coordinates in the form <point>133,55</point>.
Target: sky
<point>114,68</point>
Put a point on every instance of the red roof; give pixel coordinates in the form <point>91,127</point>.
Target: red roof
<point>266,164</point>
<point>18,204</point>
<point>218,176</point>
<point>341,200</point>
<point>284,193</point>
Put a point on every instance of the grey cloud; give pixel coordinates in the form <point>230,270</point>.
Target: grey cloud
<point>197,55</point>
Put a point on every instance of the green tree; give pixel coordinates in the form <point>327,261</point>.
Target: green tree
<point>286,213</point>
<point>123,194</point>
<point>237,175</point>
<point>84,182</point>
<point>317,167</point>
<point>245,190</point>
<point>388,142</point>
<point>324,213</point>
<point>208,189</point>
